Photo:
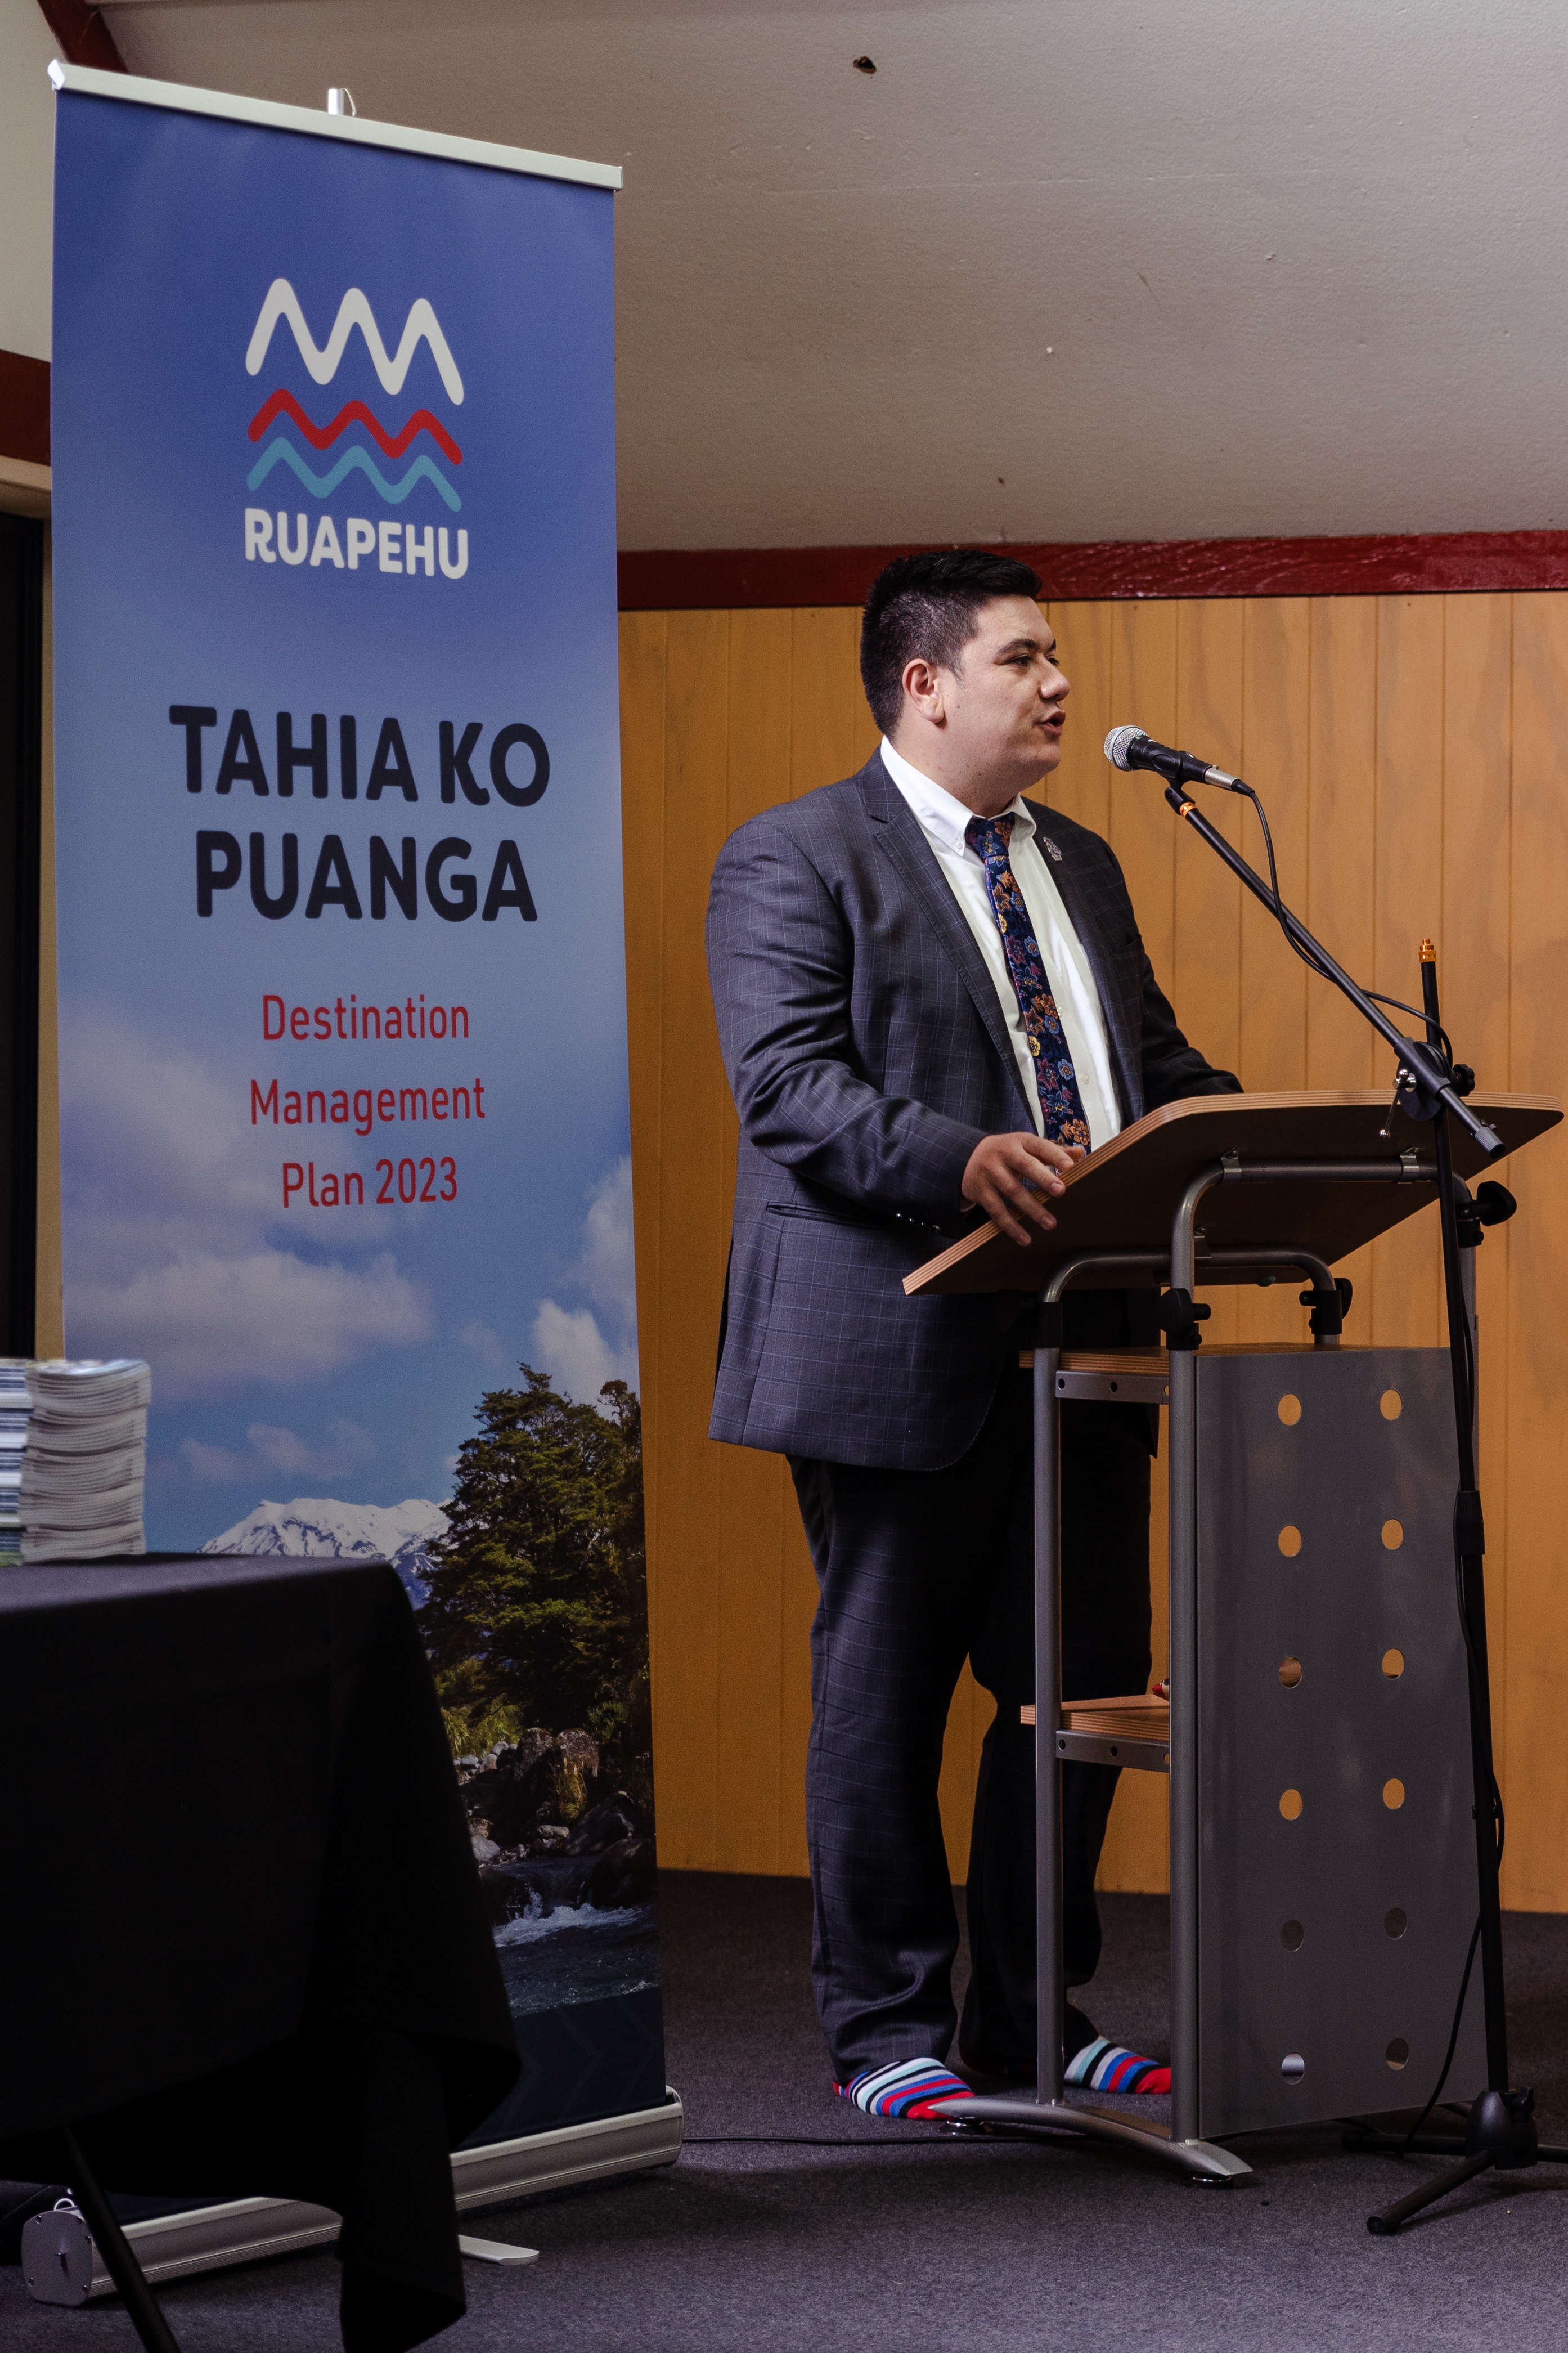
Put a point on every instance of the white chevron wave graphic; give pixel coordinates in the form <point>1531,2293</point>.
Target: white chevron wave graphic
<point>420,326</point>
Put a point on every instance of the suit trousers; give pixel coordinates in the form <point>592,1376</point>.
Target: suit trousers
<point>919,1570</point>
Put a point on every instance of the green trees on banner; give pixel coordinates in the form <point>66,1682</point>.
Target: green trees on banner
<point>537,1614</point>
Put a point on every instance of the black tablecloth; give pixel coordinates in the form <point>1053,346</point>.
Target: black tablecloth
<point>243,1947</point>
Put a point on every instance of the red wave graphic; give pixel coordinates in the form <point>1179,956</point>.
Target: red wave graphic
<point>355,413</point>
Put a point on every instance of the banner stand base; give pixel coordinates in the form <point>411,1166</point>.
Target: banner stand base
<point>213,2238</point>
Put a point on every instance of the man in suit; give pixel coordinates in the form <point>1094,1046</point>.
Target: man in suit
<point>933,997</point>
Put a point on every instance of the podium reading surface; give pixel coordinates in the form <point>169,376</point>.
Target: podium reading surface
<point>1122,1198</point>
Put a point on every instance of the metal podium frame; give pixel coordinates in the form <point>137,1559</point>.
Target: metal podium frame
<point>1183,1268</point>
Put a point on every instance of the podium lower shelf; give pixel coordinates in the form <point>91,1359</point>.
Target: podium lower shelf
<point>1134,1732</point>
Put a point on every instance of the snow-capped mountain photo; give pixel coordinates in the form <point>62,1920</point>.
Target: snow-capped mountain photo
<point>314,1527</point>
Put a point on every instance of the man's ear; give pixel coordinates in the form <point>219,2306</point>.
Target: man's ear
<point>924,686</point>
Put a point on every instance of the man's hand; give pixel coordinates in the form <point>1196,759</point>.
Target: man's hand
<point>1010,1176</point>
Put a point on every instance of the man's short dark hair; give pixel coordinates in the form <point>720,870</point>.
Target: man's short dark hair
<point>923,607</point>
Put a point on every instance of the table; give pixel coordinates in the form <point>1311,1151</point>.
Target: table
<point>245,1950</point>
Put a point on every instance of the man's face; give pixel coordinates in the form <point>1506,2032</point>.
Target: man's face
<point>991,726</point>
<point>1006,700</point>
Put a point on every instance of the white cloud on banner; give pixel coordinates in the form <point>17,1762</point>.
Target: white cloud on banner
<point>487,1345</point>
<point>341,1447</point>
<point>170,1258</point>
<point>209,1324</point>
<point>607,1268</point>
<point>579,1349</point>
<point>345,1445</point>
<point>569,1346</point>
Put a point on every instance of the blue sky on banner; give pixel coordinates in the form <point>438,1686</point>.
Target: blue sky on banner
<point>343,999</point>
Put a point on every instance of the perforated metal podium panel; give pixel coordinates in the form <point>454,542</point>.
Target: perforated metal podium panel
<point>1337,1877</point>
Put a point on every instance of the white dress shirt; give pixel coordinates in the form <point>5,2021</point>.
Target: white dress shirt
<point>943,819</point>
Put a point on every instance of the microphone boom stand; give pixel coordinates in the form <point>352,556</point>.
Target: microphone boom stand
<point>1501,2126</point>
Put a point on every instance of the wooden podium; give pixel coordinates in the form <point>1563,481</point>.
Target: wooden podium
<point>1316,1735</point>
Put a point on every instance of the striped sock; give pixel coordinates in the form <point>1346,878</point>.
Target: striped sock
<point>1105,2067</point>
<point>906,2088</point>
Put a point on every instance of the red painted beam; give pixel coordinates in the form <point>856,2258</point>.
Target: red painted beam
<point>24,408</point>
<point>84,38</point>
<point>1418,563</point>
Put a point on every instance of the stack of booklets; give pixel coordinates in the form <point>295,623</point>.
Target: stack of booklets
<point>84,1462</point>
<point>14,1410</point>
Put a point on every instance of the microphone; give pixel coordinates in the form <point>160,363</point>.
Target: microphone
<point>1129,747</point>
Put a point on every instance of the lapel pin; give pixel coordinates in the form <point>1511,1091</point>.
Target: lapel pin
<point>1051,848</point>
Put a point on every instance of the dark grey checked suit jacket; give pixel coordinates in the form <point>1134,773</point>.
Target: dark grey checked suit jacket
<point>867,1056</point>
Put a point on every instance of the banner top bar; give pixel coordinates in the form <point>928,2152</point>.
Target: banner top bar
<point>92,83</point>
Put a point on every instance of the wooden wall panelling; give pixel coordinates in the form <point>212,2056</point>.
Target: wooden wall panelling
<point>1206,967</point>
<point>1342,845</point>
<point>750,1499</point>
<point>824,690</point>
<point>1535,1863</point>
<point>1081,783</point>
<point>1406,1272</point>
<point>693,1223</point>
<point>1342,829</point>
<point>1143,693</point>
<point>1475,976</point>
<point>1275,725</point>
<point>1409,756</point>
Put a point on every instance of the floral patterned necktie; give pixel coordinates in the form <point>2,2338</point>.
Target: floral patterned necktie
<point>1061,1105</point>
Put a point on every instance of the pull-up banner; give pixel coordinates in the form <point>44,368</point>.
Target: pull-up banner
<point>343,1014</point>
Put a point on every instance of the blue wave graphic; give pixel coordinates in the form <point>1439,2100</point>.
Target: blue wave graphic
<point>320,486</point>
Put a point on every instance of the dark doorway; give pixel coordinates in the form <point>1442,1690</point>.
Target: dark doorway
<point>21,787</point>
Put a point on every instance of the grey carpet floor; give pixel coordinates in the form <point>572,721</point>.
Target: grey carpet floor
<point>896,2238</point>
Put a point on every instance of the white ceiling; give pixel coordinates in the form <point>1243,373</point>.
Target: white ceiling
<point>1139,268</point>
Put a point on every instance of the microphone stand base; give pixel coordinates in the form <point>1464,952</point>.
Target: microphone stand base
<point>1500,2132</point>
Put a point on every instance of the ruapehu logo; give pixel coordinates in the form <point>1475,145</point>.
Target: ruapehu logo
<point>396,547</point>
